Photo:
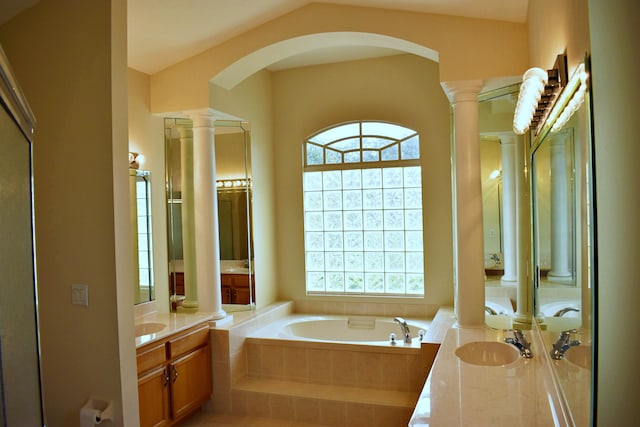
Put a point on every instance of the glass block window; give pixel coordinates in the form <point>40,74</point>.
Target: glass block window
<point>363,211</point>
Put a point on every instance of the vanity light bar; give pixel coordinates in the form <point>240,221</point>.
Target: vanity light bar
<point>570,100</point>
<point>534,81</point>
<point>538,92</point>
<point>233,183</point>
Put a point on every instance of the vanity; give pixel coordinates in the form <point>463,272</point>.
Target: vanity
<point>173,357</point>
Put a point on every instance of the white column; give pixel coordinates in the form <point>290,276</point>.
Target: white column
<point>524,302</point>
<point>508,150</point>
<point>560,237</point>
<point>207,242</point>
<point>190,301</point>
<point>469,246</point>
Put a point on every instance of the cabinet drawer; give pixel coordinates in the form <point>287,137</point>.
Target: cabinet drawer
<point>191,340</point>
<point>150,357</point>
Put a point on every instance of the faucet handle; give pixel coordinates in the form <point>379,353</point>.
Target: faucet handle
<point>520,341</point>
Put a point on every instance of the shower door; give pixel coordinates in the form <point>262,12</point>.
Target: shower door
<point>20,390</point>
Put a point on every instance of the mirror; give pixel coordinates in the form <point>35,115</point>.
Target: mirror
<point>234,192</point>
<point>140,202</point>
<point>554,231</point>
<point>563,254</point>
<point>498,170</point>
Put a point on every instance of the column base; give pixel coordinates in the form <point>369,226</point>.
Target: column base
<point>187,306</point>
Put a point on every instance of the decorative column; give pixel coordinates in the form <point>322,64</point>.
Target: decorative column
<point>190,302</point>
<point>508,151</point>
<point>524,300</point>
<point>560,237</point>
<point>469,246</point>
<point>207,243</point>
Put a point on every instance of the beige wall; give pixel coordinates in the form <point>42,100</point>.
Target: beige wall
<point>146,136</point>
<point>403,89</point>
<point>614,29</point>
<point>73,73</point>
<point>468,48</point>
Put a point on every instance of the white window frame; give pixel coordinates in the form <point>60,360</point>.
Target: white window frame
<point>323,156</point>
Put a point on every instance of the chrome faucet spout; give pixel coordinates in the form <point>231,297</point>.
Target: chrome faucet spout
<point>406,332</point>
<point>520,341</point>
<point>490,311</point>
<point>564,311</point>
<point>563,344</point>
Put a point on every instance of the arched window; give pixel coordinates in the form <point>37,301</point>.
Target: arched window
<point>363,210</point>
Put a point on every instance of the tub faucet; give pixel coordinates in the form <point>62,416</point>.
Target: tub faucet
<point>520,341</point>
<point>564,311</point>
<point>563,344</point>
<point>406,332</point>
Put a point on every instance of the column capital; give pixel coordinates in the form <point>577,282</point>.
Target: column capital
<point>204,117</point>
<point>462,90</point>
<point>185,132</point>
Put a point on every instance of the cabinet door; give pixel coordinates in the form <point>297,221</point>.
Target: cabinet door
<point>241,295</point>
<point>191,384</point>
<point>226,295</point>
<point>153,398</point>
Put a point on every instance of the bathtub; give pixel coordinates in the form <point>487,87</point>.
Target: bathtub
<point>358,330</point>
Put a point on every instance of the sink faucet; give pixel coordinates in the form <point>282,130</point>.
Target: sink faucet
<point>520,341</point>
<point>406,332</point>
<point>563,344</point>
<point>564,311</point>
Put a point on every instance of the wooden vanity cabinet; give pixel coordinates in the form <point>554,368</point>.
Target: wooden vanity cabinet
<point>174,377</point>
<point>235,288</point>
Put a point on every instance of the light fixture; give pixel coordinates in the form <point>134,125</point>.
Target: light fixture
<point>233,183</point>
<point>570,100</point>
<point>538,91</point>
<point>135,159</point>
<point>533,82</point>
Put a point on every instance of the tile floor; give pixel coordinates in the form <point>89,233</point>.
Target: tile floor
<point>208,419</point>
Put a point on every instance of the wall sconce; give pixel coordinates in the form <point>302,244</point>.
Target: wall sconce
<point>135,160</point>
<point>537,93</point>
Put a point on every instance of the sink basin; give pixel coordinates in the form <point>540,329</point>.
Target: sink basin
<point>149,328</point>
<point>487,353</point>
<point>580,356</point>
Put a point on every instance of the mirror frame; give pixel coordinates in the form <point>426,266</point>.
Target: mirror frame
<point>171,126</point>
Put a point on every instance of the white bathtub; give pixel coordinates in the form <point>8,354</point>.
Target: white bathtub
<point>341,329</point>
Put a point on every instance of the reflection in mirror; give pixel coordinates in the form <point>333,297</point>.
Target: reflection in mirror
<point>499,175</point>
<point>554,220</point>
<point>563,253</point>
<point>140,194</point>
<point>233,173</point>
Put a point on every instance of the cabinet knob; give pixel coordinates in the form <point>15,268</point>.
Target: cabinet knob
<point>166,378</point>
<point>175,374</point>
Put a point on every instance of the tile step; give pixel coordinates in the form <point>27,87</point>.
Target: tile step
<point>369,396</point>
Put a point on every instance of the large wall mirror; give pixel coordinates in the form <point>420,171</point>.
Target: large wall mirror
<point>499,175</point>
<point>234,194</point>
<point>140,202</point>
<point>562,195</point>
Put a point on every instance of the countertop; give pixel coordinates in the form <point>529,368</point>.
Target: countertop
<point>522,393</point>
<point>174,322</point>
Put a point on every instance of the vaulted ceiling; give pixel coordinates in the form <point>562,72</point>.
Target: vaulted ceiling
<point>163,32</point>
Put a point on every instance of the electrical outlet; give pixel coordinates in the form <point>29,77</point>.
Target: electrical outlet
<point>80,294</point>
